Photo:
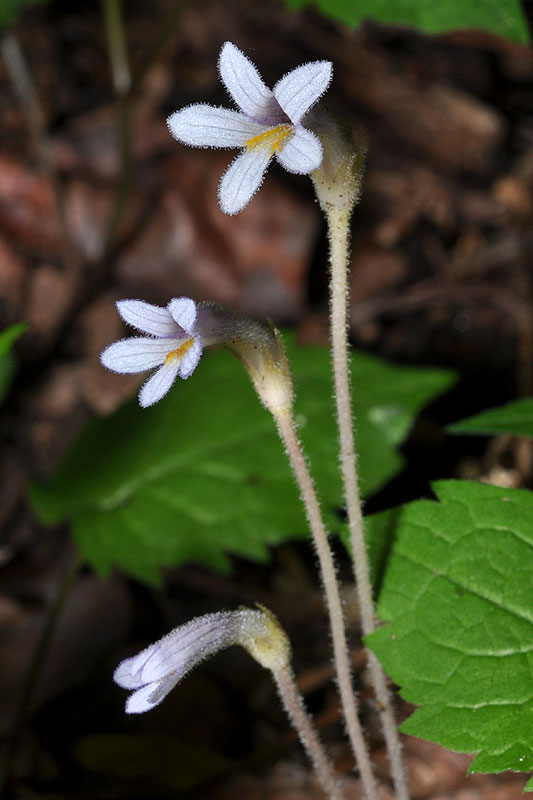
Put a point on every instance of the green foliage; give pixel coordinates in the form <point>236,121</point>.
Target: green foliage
<point>203,474</point>
<point>514,419</point>
<point>497,16</point>
<point>458,591</point>
<point>10,10</point>
<point>7,361</point>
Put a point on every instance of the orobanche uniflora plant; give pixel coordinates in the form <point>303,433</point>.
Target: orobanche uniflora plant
<point>155,671</point>
<point>284,124</point>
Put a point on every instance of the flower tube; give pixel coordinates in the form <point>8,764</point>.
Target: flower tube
<point>153,672</point>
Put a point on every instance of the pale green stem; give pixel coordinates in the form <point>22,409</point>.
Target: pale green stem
<point>116,45</point>
<point>295,708</point>
<point>338,229</point>
<point>118,57</point>
<point>287,431</point>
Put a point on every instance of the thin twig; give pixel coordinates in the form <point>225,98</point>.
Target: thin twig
<point>125,86</point>
<point>286,428</point>
<point>116,45</point>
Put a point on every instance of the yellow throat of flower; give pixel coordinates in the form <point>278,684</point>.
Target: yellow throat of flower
<point>179,352</point>
<point>272,139</point>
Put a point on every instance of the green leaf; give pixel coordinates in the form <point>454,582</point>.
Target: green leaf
<point>497,16</point>
<point>10,10</point>
<point>458,591</point>
<point>7,361</point>
<point>514,419</point>
<point>202,474</point>
<point>529,786</point>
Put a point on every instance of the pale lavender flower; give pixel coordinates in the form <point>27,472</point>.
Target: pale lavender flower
<point>157,669</point>
<point>177,336</point>
<point>173,344</point>
<point>269,123</point>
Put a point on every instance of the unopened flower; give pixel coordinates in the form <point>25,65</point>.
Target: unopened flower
<point>173,344</point>
<point>157,669</point>
<point>269,123</point>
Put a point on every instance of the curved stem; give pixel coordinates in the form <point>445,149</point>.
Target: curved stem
<point>338,230</point>
<point>285,424</point>
<point>294,706</point>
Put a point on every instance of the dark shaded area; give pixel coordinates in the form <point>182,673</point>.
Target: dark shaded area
<point>441,275</point>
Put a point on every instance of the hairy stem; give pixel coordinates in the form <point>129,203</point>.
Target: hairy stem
<point>285,424</point>
<point>295,708</point>
<point>34,671</point>
<point>338,229</point>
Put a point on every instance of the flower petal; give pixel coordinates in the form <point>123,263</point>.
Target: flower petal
<point>138,702</point>
<point>163,688</point>
<point>159,384</point>
<point>302,153</point>
<point>136,354</point>
<point>244,83</point>
<point>242,179</point>
<point>183,310</point>
<point>147,318</point>
<point>158,668</point>
<point>297,91</point>
<point>201,125</point>
<point>190,360</point>
<point>185,647</point>
<point>129,673</point>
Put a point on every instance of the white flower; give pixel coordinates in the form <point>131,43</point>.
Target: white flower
<point>174,345</point>
<point>268,124</point>
<point>157,669</point>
